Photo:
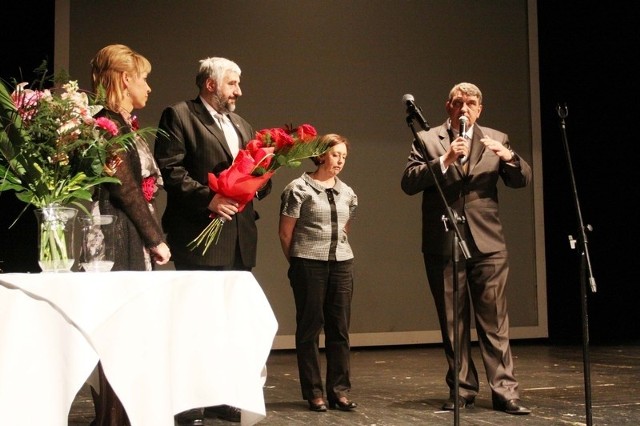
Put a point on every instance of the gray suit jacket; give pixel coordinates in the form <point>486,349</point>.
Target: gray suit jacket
<point>192,147</point>
<point>474,195</point>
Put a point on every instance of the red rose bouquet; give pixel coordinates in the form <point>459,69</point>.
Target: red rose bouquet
<point>254,166</point>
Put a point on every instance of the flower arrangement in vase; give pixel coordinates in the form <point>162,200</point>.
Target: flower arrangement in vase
<point>53,152</point>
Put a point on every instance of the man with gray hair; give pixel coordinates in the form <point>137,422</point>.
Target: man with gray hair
<point>468,160</point>
<point>198,137</point>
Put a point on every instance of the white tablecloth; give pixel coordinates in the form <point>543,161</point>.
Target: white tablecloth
<point>168,341</point>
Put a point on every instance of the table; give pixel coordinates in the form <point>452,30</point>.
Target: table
<point>167,340</point>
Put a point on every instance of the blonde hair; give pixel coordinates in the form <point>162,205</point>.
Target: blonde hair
<point>331,139</point>
<point>107,68</point>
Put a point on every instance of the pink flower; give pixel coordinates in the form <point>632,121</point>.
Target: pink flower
<point>26,100</point>
<point>149,188</point>
<point>108,125</point>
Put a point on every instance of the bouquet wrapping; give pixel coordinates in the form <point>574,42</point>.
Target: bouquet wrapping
<point>253,167</point>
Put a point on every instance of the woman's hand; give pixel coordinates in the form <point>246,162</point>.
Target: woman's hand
<point>160,253</point>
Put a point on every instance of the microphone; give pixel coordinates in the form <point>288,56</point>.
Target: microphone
<point>414,110</point>
<point>464,120</point>
<point>463,124</point>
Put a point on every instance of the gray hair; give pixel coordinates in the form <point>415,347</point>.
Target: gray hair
<point>215,68</point>
<point>468,89</point>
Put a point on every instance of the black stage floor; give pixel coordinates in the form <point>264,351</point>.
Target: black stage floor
<point>405,386</point>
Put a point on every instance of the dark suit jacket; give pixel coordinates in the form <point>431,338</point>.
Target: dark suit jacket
<point>192,147</point>
<point>474,196</point>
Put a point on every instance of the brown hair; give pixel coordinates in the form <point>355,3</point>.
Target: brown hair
<point>331,140</point>
<point>108,66</point>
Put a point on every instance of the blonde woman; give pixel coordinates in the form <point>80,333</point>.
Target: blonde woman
<point>121,74</point>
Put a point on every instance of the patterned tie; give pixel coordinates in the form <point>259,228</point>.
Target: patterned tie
<point>230,134</point>
<point>465,160</point>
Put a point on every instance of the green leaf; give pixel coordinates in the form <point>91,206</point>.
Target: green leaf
<point>50,156</point>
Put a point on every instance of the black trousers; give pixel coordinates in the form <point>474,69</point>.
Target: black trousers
<point>322,291</point>
<point>109,409</point>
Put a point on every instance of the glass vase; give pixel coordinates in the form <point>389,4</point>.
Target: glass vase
<point>56,238</point>
<point>97,243</point>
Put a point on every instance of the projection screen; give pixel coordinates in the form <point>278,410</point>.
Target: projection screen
<point>344,66</point>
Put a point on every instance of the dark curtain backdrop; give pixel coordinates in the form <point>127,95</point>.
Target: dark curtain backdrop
<point>344,66</point>
<point>585,56</point>
<point>586,52</point>
<point>27,36</point>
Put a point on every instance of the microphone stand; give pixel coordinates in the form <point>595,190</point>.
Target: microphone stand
<point>585,267</point>
<point>458,245</point>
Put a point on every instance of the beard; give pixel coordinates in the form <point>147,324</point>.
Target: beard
<point>224,106</point>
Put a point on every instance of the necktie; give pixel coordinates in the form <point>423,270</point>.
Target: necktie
<point>230,134</point>
<point>465,160</point>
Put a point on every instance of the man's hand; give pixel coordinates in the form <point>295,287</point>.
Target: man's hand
<point>223,206</point>
<point>500,150</point>
<point>458,149</point>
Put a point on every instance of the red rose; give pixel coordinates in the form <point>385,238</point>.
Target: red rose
<point>307,132</point>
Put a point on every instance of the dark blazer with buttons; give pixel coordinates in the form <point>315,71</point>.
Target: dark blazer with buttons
<point>191,147</point>
<point>473,195</point>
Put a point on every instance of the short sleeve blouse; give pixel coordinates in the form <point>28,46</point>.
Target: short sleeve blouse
<point>307,201</point>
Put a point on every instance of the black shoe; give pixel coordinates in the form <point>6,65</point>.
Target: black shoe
<point>190,418</point>
<point>224,412</point>
<point>345,405</point>
<point>512,406</point>
<point>450,405</point>
<point>321,407</point>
